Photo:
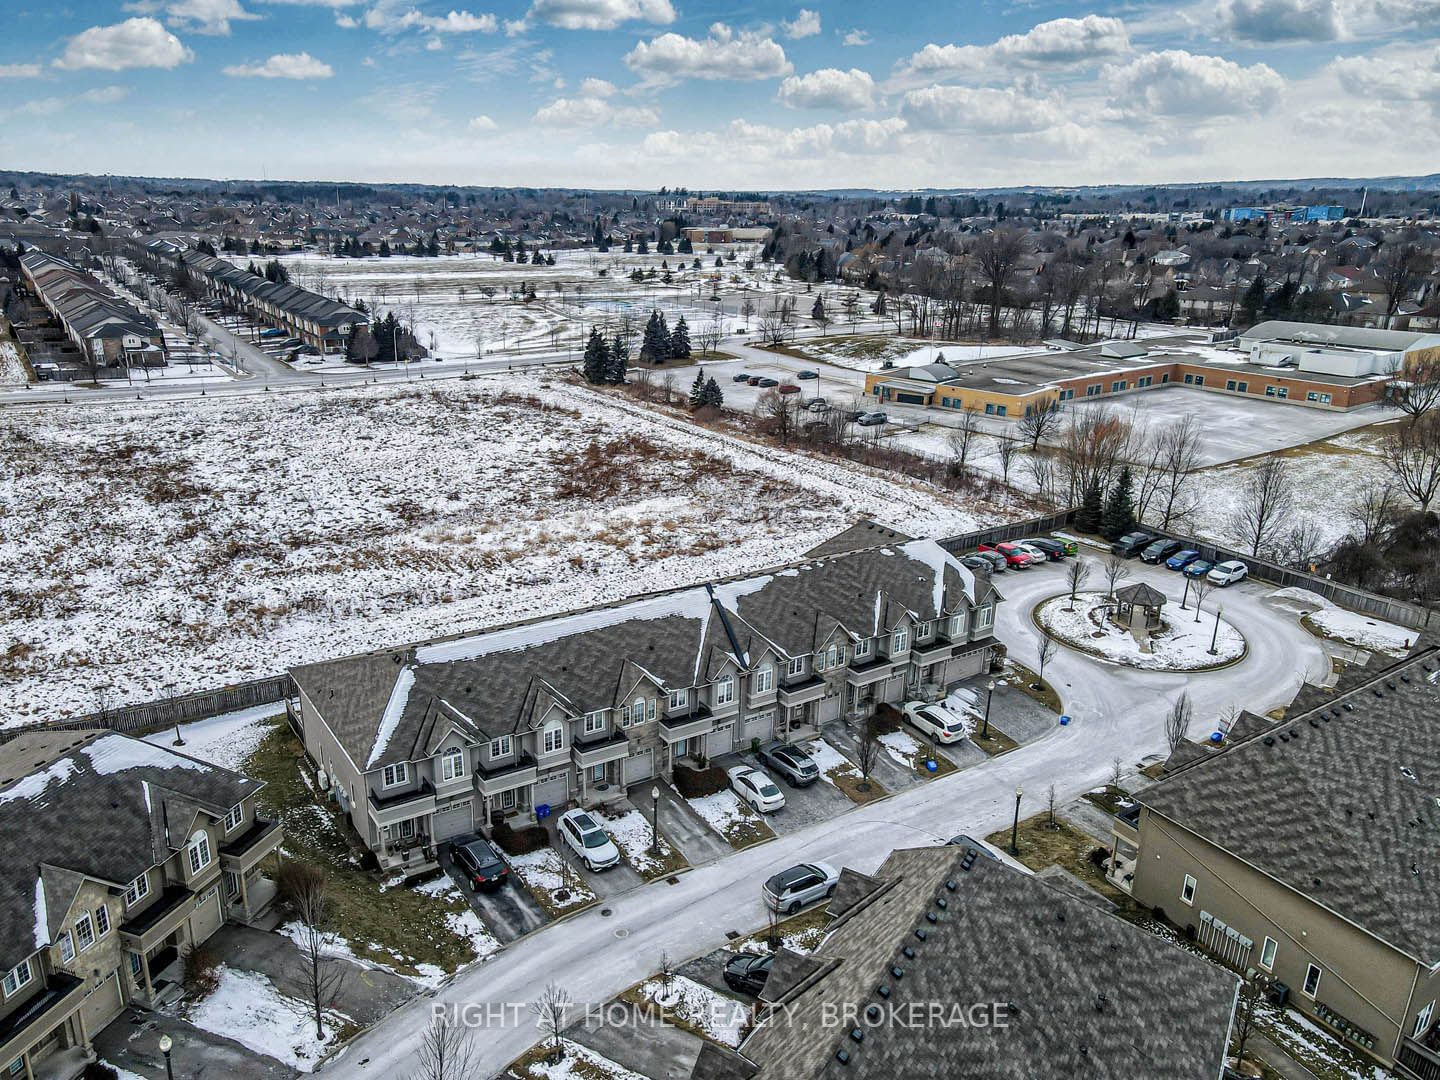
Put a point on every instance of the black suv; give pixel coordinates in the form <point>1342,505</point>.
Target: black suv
<point>1053,551</point>
<point>1159,550</point>
<point>1131,544</point>
<point>747,972</point>
<point>481,864</point>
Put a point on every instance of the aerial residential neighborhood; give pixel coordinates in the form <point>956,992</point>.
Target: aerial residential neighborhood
<point>640,540</point>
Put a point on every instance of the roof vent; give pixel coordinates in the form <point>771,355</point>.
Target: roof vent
<point>842,1056</point>
<point>1379,692</point>
<point>1390,684</point>
<point>857,1034</point>
<point>920,934</point>
<point>897,972</point>
<point>1269,740</point>
<point>1314,723</point>
<point>1348,706</point>
<point>930,917</point>
<point>908,953</point>
<point>950,884</point>
<point>1405,678</point>
<point>941,903</point>
<point>874,1012</point>
<point>1101,1001</point>
<point>1407,772</point>
<point>883,991</point>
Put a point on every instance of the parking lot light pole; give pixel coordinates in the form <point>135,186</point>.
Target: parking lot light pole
<point>989,693</point>
<point>1215,634</point>
<point>1015,828</point>
<point>655,820</point>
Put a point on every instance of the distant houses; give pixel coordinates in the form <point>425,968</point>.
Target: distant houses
<point>108,331</point>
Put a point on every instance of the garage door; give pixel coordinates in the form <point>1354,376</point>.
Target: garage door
<point>830,707</point>
<point>453,819</point>
<point>720,741</point>
<point>760,726</point>
<point>207,917</point>
<point>553,789</point>
<point>639,766</point>
<point>102,1005</point>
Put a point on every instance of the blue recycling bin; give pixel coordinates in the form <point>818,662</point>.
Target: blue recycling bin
<point>1064,720</point>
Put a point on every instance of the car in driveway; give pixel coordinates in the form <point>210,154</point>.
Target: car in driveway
<point>481,864</point>
<point>1010,552</point>
<point>1069,546</point>
<point>755,788</point>
<point>1198,568</point>
<point>805,883</point>
<point>747,972</point>
<point>1157,551</point>
<point>591,844</point>
<point>1228,572</point>
<point>934,721</point>
<point>1053,549</point>
<point>998,563</point>
<point>1038,556</point>
<point>1131,544</point>
<point>767,382</point>
<point>807,374</point>
<point>1182,558</point>
<point>792,763</point>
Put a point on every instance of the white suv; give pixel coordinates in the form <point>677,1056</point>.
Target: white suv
<point>1227,573</point>
<point>583,835</point>
<point>936,721</point>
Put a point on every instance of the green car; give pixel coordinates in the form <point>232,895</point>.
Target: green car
<point>1071,548</point>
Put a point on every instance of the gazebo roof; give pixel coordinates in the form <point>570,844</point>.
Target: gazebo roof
<point>1140,595</point>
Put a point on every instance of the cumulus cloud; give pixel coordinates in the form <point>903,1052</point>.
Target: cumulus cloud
<point>1272,21</point>
<point>742,139</point>
<point>723,54</point>
<point>969,110</point>
<point>1057,43</point>
<point>390,18</point>
<point>601,14</point>
<point>601,88</point>
<point>482,123</point>
<point>829,88</point>
<point>19,71</point>
<point>199,16</point>
<point>1407,77</point>
<point>591,112</point>
<point>1181,84</point>
<point>805,24</point>
<point>855,37</point>
<point>283,66</point>
<point>134,43</point>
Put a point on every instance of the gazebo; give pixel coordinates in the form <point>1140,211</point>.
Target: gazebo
<point>1138,607</point>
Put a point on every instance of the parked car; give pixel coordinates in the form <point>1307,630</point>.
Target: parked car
<point>1182,558</point>
<point>756,788</point>
<point>1012,554</point>
<point>934,721</point>
<point>980,562</point>
<point>1198,568</point>
<point>1228,572</point>
<point>741,376</point>
<point>1052,549</point>
<point>292,343</point>
<point>870,419</point>
<point>796,766</point>
<point>1131,544</point>
<point>481,864</point>
<point>807,374</point>
<point>754,380</point>
<point>747,972</point>
<point>1037,555</point>
<point>817,404</point>
<point>789,388</point>
<point>272,331</point>
<point>584,836</point>
<point>1157,551</point>
<point>1069,546</point>
<point>998,563</point>
<point>768,382</point>
<point>792,889</point>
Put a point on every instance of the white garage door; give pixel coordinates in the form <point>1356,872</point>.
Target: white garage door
<point>453,819</point>
<point>719,741</point>
<point>760,726</point>
<point>639,766</point>
<point>207,917</point>
<point>102,1005</point>
<point>552,790</point>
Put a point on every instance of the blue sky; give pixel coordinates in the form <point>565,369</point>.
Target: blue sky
<point>641,93</point>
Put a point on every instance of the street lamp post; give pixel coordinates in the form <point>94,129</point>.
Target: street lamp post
<point>1187,593</point>
<point>165,1045</point>
<point>1215,634</point>
<point>989,693</point>
<point>655,820</point>
<point>1015,827</point>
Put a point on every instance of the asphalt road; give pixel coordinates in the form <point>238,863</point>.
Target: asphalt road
<point>1118,713</point>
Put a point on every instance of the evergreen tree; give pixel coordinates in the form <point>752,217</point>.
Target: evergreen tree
<point>817,310</point>
<point>1253,300</point>
<point>619,360</point>
<point>697,391</point>
<point>642,248</point>
<point>384,249</point>
<point>685,246</point>
<point>1119,515</point>
<point>1087,517</point>
<point>629,245</point>
<point>712,398</point>
<point>655,347</point>
<point>597,358</point>
<point>680,340</point>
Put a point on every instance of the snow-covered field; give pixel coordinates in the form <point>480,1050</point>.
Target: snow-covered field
<point>720,1016</point>
<point>160,548</point>
<point>227,741</point>
<point>727,815</point>
<point>1362,631</point>
<point>246,1007</point>
<point>12,371</point>
<point>1181,644</point>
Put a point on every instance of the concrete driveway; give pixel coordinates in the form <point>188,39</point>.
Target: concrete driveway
<point>1012,711</point>
<point>685,829</point>
<point>510,912</point>
<point>804,806</point>
<point>130,1042</point>
<point>890,774</point>
<point>617,879</point>
<point>638,1041</point>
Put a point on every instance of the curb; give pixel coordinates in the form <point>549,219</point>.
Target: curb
<point>1101,659</point>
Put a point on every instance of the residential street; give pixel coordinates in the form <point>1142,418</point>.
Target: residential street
<point>1118,712</point>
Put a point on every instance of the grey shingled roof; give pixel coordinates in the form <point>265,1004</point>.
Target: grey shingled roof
<point>91,804</point>
<point>863,534</point>
<point>1338,803</point>
<point>1003,937</point>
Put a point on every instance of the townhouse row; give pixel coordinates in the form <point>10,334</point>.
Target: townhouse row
<point>107,331</point>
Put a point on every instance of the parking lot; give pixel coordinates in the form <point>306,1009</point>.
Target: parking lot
<point>510,912</point>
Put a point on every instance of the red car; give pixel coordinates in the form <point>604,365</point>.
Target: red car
<point>789,388</point>
<point>1013,555</point>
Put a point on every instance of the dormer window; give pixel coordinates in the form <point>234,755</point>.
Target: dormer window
<point>796,667</point>
<point>900,640</point>
<point>924,630</point>
<point>553,738</point>
<point>957,624</point>
<point>679,699</point>
<point>500,747</point>
<point>198,852</point>
<point>594,722</point>
<point>862,648</point>
<point>395,775</point>
<point>452,764</point>
<point>724,690</point>
<point>234,817</point>
<point>764,679</point>
<point>137,890</point>
<point>984,617</point>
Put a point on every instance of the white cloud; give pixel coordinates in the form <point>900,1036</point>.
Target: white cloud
<point>134,43</point>
<point>346,22</point>
<point>516,27</point>
<point>591,112</point>
<point>101,95</point>
<point>198,16</point>
<point>829,88</point>
<point>283,66</point>
<point>742,140</point>
<point>601,88</point>
<point>1271,21</point>
<point>970,110</point>
<point>601,14</point>
<point>462,22</point>
<point>392,18</point>
<point>805,24</point>
<point>1408,76</point>
<point>722,55</point>
<point>856,37</point>
<point>1057,43</point>
<point>19,71</point>
<point>482,123</point>
<point>1178,83</point>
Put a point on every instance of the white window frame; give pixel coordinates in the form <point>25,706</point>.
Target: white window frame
<point>197,853</point>
<point>958,623</point>
<point>862,648</point>
<point>102,920</point>
<point>405,830</point>
<point>1422,1020</point>
<point>764,680</point>
<point>554,728</point>
<point>502,747</point>
<point>17,978</point>
<point>984,616</point>
<point>796,666</point>
<point>450,771</point>
<point>1313,990</point>
<point>900,640</point>
<point>84,926</point>
<point>1269,947</point>
<point>66,944</point>
<point>925,629</point>
<point>508,799</point>
<point>679,699</point>
<point>594,721</point>
<point>137,890</point>
<point>1187,890</point>
<point>395,774</point>
<point>234,817</point>
<point>724,690</point>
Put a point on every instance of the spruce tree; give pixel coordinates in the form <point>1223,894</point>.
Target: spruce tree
<point>619,361</point>
<point>680,340</point>
<point>1119,516</point>
<point>1087,517</point>
<point>655,347</point>
<point>597,358</point>
<point>1253,300</point>
<point>697,391</point>
<point>817,310</point>
<point>712,398</point>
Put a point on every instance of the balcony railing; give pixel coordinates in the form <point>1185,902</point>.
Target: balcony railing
<point>1418,1060</point>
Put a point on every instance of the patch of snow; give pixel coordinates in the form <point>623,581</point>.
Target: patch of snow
<point>467,926</point>
<point>1181,644</point>
<point>579,1063</point>
<point>111,754</point>
<point>546,871</point>
<point>1363,631</point>
<point>721,1017</point>
<point>633,832</point>
<point>394,709</point>
<point>723,811</point>
<point>121,1074</point>
<point>34,786</point>
<point>902,747</point>
<point>247,1008</point>
<point>1296,599</point>
<point>829,761</point>
<point>12,371</point>
<point>42,918</point>
<point>228,740</point>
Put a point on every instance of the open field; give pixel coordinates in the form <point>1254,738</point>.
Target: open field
<point>156,549</point>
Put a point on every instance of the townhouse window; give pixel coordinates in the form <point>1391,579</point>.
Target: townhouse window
<point>924,630</point>
<point>407,829</point>
<point>650,709</point>
<point>1267,954</point>
<point>137,890</point>
<point>862,648</point>
<point>501,747</point>
<point>452,764</point>
<point>1312,981</point>
<point>1422,1020</point>
<point>764,680</point>
<point>553,738</point>
<point>198,852</point>
<point>85,932</point>
<point>1199,380</point>
<point>679,699</point>
<point>234,817</point>
<point>507,800</point>
<point>67,947</point>
<point>1145,380</point>
<point>1282,392</point>
<point>984,617</point>
<point>102,920</point>
<point>1067,395</point>
<point>594,722</point>
<point>900,640</point>
<point>724,690</point>
<point>1187,890</point>
<point>957,624</point>
<point>395,775</point>
<point>17,978</point>
<point>795,667</point>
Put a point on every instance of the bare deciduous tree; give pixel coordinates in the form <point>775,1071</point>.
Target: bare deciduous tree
<point>552,1009</point>
<point>1115,570</point>
<point>1412,454</point>
<point>1047,649</point>
<point>1177,721</point>
<point>1371,512</point>
<point>446,1051</point>
<point>1076,574</point>
<point>1416,389</point>
<point>1177,453</point>
<point>1266,501</point>
<point>867,749</point>
<point>1200,588</point>
<point>962,439</point>
<point>779,414</point>
<point>1005,451</point>
<point>305,890</point>
<point>1040,421</point>
<point>997,256</point>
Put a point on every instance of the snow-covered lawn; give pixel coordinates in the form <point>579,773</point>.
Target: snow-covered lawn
<point>800,933</point>
<point>715,1015</point>
<point>635,835</point>
<point>556,884</point>
<point>1181,643</point>
<point>579,1063</point>
<point>732,819</point>
<point>903,748</point>
<point>1362,631</point>
<point>463,924</point>
<point>190,545</point>
<point>12,371</point>
<point>246,1007</point>
<point>829,761</point>
<point>228,740</point>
